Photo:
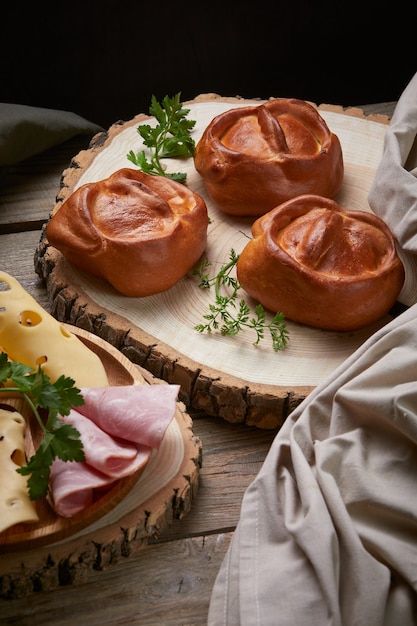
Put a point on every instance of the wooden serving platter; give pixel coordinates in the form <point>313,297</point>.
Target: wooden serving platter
<point>221,376</point>
<point>134,510</point>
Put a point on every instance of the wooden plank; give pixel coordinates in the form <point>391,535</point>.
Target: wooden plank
<point>384,108</point>
<point>29,188</point>
<point>166,584</point>
<point>16,258</point>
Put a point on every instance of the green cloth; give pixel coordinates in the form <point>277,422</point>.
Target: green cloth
<point>27,130</point>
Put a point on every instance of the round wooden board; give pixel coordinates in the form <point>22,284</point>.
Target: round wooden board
<point>222,376</point>
<point>58,551</point>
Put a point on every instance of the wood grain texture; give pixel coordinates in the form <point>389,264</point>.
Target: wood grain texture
<point>19,210</point>
<point>232,456</point>
<point>16,258</point>
<point>135,510</point>
<point>165,584</point>
<point>222,376</point>
<point>170,581</point>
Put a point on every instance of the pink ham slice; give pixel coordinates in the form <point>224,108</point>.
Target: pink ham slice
<point>112,456</point>
<point>138,413</point>
<point>73,486</point>
<point>118,427</point>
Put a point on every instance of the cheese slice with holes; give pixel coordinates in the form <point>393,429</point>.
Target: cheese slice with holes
<point>15,505</point>
<point>30,335</point>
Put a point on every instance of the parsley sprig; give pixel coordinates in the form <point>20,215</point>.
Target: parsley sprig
<point>232,316</point>
<point>59,440</point>
<point>169,139</point>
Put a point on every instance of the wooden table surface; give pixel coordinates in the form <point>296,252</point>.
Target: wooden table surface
<point>170,581</point>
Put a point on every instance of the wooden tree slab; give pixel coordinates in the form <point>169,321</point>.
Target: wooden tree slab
<point>60,551</point>
<point>221,376</point>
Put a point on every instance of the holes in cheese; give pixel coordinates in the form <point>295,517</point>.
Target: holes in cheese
<point>17,455</point>
<point>18,458</point>
<point>29,318</point>
<point>30,335</point>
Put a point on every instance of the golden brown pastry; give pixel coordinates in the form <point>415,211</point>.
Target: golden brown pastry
<point>253,158</point>
<point>141,233</point>
<point>322,265</point>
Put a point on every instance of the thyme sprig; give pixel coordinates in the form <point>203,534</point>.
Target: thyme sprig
<point>230,315</point>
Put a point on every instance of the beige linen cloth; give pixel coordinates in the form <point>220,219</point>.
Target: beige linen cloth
<point>327,534</point>
<point>393,195</point>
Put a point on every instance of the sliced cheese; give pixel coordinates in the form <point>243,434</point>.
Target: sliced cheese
<point>30,335</point>
<point>15,505</point>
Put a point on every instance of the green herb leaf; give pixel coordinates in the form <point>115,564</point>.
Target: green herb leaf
<point>38,469</point>
<point>171,138</point>
<point>59,440</point>
<point>231,316</point>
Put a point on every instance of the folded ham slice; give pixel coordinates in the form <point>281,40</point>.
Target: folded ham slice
<point>118,426</point>
<point>73,486</point>
<point>112,456</point>
<point>138,413</point>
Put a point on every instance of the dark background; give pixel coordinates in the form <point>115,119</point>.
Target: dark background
<point>105,59</point>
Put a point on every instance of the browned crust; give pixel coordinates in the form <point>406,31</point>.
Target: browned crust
<point>202,389</point>
<point>254,158</point>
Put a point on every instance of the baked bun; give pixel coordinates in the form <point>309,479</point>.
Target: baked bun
<point>322,265</point>
<point>141,233</point>
<point>253,158</point>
